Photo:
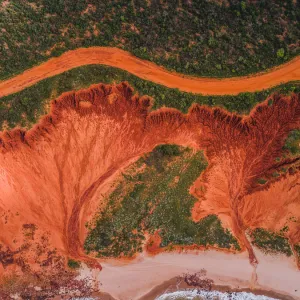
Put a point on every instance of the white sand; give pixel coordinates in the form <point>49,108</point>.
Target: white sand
<point>135,279</point>
<point>190,295</point>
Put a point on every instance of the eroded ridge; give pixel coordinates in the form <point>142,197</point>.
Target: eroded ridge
<point>240,151</point>
<point>52,175</point>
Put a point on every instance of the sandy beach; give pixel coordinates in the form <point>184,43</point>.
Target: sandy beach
<point>147,277</point>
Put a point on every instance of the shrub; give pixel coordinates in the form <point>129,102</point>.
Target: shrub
<point>280,53</point>
<point>73,264</point>
<point>156,200</point>
<point>270,242</point>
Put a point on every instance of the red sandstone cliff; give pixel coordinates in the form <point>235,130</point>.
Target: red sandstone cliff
<point>52,175</point>
<point>240,151</point>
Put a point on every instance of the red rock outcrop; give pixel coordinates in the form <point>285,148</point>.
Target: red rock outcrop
<point>52,175</point>
<point>240,151</point>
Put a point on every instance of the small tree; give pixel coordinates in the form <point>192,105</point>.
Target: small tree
<point>73,264</point>
<point>243,5</point>
<point>280,53</point>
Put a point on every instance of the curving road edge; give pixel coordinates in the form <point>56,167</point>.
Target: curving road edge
<point>121,59</point>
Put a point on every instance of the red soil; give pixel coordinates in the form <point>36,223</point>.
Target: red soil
<point>52,176</point>
<point>55,171</point>
<point>240,151</point>
<point>144,69</point>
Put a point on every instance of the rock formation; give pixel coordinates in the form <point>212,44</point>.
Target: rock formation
<point>52,175</point>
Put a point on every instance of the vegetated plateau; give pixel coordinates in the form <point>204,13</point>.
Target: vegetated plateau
<point>205,38</point>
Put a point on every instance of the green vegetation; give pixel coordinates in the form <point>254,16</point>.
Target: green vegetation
<point>283,230</point>
<point>292,143</point>
<point>297,250</point>
<point>262,181</point>
<point>202,37</point>
<point>271,242</point>
<point>152,195</point>
<point>25,107</point>
<point>280,53</point>
<point>73,264</point>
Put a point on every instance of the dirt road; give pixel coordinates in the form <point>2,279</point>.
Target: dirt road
<point>146,70</point>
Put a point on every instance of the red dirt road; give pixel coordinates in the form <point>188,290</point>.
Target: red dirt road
<point>146,70</point>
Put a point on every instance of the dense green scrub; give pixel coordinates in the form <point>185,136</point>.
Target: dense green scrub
<point>73,264</point>
<point>292,143</point>
<point>297,250</point>
<point>270,242</point>
<point>202,37</point>
<point>25,107</point>
<point>290,149</point>
<point>152,195</point>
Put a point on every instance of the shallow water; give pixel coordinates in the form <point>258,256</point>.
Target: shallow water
<point>211,295</point>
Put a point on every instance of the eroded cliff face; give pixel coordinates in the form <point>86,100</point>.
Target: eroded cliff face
<point>240,151</point>
<point>52,175</point>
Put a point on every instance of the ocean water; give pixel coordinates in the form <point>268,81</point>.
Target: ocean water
<point>211,295</point>
<point>201,295</point>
